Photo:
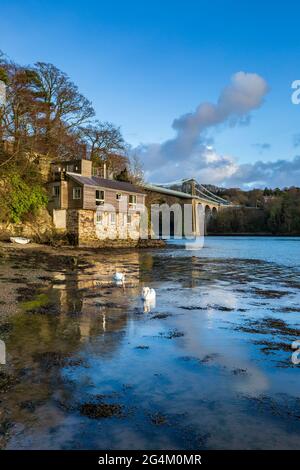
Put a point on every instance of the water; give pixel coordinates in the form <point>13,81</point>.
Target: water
<point>208,368</point>
<point>270,249</point>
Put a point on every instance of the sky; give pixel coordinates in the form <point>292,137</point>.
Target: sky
<point>199,88</point>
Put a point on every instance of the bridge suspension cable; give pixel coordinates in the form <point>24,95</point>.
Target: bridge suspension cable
<point>200,190</point>
<point>212,195</point>
<point>205,196</point>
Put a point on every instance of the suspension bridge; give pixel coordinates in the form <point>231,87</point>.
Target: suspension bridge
<point>188,191</point>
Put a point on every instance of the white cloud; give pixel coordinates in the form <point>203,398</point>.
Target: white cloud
<point>279,173</point>
<point>187,154</point>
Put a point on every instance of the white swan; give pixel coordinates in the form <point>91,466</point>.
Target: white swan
<point>119,277</point>
<point>148,294</point>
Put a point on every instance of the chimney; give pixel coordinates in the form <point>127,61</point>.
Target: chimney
<point>86,167</point>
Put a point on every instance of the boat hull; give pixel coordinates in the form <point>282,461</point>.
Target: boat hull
<point>20,240</point>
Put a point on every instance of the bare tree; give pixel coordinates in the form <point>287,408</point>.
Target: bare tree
<point>65,109</point>
<point>19,113</point>
<point>136,170</point>
<point>106,145</point>
<point>103,139</point>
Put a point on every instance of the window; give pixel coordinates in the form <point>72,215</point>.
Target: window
<point>76,193</point>
<point>118,196</point>
<point>100,218</point>
<point>99,197</point>
<point>112,218</point>
<point>70,168</point>
<point>129,219</point>
<point>56,191</point>
<point>132,201</point>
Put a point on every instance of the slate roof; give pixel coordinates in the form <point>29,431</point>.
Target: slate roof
<point>171,192</point>
<point>95,181</point>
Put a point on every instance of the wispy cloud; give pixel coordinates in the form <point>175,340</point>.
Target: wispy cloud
<point>188,153</point>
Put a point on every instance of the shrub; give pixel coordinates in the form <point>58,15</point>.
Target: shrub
<point>24,199</point>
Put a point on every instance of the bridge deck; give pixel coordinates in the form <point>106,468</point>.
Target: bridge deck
<point>181,194</point>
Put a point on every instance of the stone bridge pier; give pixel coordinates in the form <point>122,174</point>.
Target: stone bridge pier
<point>201,209</point>
<point>202,214</point>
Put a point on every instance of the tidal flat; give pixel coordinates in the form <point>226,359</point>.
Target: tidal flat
<point>208,367</point>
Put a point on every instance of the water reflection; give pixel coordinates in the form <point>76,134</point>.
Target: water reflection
<point>149,305</point>
<point>203,368</point>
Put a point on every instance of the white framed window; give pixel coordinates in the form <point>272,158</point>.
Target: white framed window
<point>77,193</point>
<point>99,218</point>
<point>132,201</point>
<point>112,218</point>
<point>56,191</point>
<point>118,196</point>
<point>99,197</point>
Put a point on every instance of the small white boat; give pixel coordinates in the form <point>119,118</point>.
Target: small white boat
<point>20,240</point>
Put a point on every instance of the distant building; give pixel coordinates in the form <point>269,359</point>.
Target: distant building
<point>92,208</point>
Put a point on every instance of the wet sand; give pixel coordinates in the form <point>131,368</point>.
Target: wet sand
<point>209,367</point>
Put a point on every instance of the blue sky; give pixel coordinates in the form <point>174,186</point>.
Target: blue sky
<point>144,64</point>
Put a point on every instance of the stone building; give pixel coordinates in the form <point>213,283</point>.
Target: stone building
<point>93,210</point>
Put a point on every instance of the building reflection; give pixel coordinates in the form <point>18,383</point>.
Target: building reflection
<point>81,307</point>
<point>90,296</point>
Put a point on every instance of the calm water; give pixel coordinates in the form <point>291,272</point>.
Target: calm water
<point>209,367</point>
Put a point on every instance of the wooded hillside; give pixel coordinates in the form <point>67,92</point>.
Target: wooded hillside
<point>44,114</point>
<point>262,211</point>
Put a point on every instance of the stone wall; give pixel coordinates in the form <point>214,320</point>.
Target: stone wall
<point>72,225</point>
<point>83,227</point>
<point>120,229</point>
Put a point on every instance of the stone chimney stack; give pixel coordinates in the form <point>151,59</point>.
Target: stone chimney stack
<point>86,167</point>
